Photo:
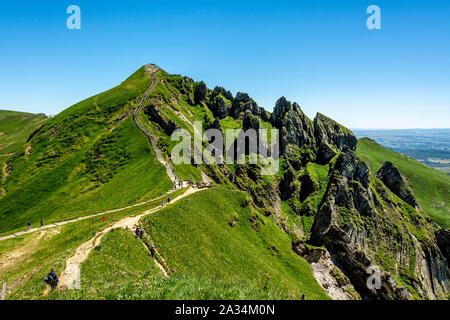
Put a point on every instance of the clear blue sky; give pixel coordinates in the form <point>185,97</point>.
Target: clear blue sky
<point>316,52</point>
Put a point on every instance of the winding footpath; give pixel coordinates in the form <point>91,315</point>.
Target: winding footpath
<point>152,69</point>
<point>71,277</point>
<point>62,223</point>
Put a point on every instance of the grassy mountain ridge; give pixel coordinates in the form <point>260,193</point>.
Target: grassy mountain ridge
<point>80,158</point>
<point>431,187</point>
<point>250,230</point>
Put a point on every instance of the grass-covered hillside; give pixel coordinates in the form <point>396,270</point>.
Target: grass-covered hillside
<point>77,162</point>
<point>215,245</point>
<point>431,187</point>
<point>217,234</point>
<point>26,260</point>
<point>15,129</point>
<point>249,236</point>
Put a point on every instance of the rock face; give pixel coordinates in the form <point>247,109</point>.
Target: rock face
<point>326,272</point>
<point>331,137</point>
<point>241,103</point>
<point>319,140</point>
<point>250,121</point>
<point>225,93</point>
<point>200,92</point>
<point>443,241</point>
<point>296,130</point>
<point>394,180</point>
<point>360,221</point>
<point>220,107</point>
<point>363,225</point>
<point>166,125</point>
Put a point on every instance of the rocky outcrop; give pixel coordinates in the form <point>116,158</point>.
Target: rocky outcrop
<point>397,183</point>
<point>221,91</point>
<point>200,92</point>
<point>250,121</point>
<point>241,103</point>
<point>331,138</point>
<point>296,130</point>
<point>155,116</point>
<point>363,225</point>
<point>336,284</point>
<point>220,107</point>
<point>443,241</point>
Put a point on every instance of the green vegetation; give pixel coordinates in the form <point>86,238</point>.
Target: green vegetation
<point>120,258</point>
<point>431,187</point>
<point>197,238</point>
<point>27,259</point>
<point>80,159</point>
<point>152,287</point>
<point>15,129</point>
<point>121,268</point>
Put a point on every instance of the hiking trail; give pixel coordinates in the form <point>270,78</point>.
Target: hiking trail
<point>71,277</point>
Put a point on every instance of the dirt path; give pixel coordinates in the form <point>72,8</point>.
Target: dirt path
<point>57,224</point>
<point>152,69</point>
<point>71,277</point>
<point>159,265</point>
<point>4,173</point>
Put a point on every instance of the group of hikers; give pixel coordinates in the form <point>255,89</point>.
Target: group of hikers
<point>29,224</point>
<point>163,203</point>
<point>139,233</point>
<point>178,183</point>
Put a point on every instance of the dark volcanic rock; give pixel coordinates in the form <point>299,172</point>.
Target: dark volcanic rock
<point>200,92</point>
<point>220,108</point>
<point>443,241</point>
<point>394,180</point>
<point>250,121</point>
<point>296,130</point>
<point>331,138</point>
<point>166,125</point>
<point>225,93</point>
<point>241,103</point>
<point>362,225</point>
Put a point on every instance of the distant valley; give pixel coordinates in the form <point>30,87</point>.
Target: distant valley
<point>429,146</point>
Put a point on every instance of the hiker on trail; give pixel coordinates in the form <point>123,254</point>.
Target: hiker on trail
<point>29,225</point>
<point>162,203</point>
<point>52,279</point>
<point>152,250</point>
<point>168,200</point>
<point>137,232</point>
<point>141,233</point>
<point>42,223</point>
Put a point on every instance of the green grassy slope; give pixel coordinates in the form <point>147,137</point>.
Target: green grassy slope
<point>121,269</point>
<point>81,158</point>
<point>119,259</point>
<point>27,259</point>
<point>431,187</point>
<point>196,238</point>
<point>15,129</point>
